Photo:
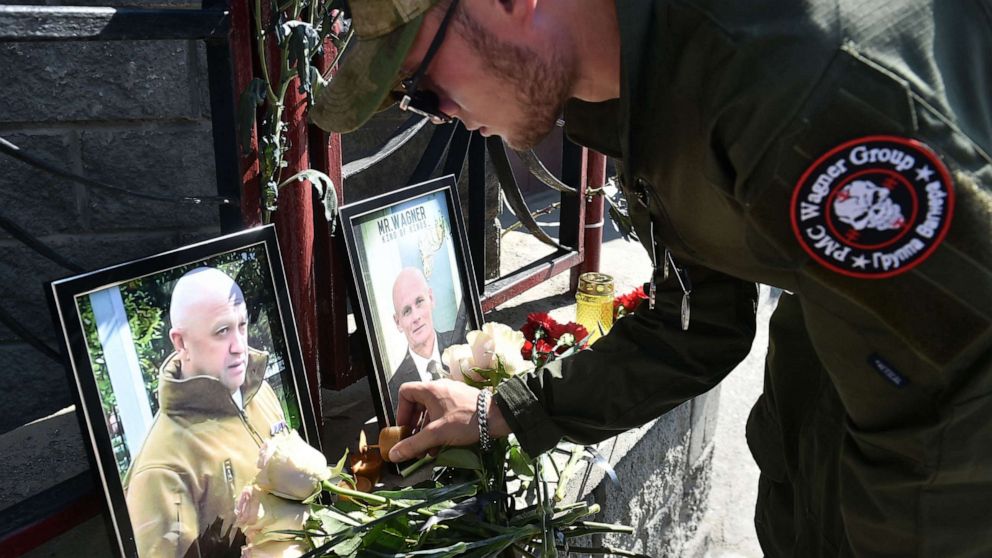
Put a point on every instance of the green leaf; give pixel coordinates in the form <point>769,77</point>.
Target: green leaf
<point>452,492</point>
<point>460,458</point>
<point>303,43</point>
<point>390,540</point>
<point>325,191</point>
<point>520,462</point>
<point>338,468</point>
<point>474,383</point>
<point>251,97</point>
<point>410,494</point>
<point>348,546</point>
<point>388,537</point>
<point>331,519</point>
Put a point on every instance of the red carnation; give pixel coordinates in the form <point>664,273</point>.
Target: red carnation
<point>568,335</point>
<point>527,350</point>
<point>543,347</point>
<point>539,325</point>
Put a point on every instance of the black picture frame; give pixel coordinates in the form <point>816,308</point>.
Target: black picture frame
<point>96,314</point>
<point>419,227</point>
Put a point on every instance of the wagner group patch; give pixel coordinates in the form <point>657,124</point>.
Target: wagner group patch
<point>873,207</point>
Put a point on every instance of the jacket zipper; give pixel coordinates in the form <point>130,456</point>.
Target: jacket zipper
<point>667,261</point>
<point>251,429</point>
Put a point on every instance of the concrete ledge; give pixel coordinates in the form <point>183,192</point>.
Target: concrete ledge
<point>40,455</point>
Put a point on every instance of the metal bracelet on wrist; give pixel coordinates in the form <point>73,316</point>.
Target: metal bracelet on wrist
<point>482,408</point>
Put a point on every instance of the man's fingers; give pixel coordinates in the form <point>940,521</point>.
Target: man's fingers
<point>413,398</point>
<point>449,407</point>
<point>418,444</point>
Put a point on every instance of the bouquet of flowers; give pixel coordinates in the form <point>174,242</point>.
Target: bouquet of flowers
<point>545,339</point>
<point>497,503</point>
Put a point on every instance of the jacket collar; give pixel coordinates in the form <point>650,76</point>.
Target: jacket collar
<point>204,394</point>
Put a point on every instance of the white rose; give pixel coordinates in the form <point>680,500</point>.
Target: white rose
<point>274,549</point>
<point>258,514</point>
<point>506,342</point>
<point>483,349</point>
<point>289,467</point>
<point>460,362</point>
<point>246,506</point>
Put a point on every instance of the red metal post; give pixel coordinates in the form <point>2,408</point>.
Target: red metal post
<point>329,260</point>
<point>294,220</point>
<point>243,60</point>
<point>595,178</point>
<point>591,219</point>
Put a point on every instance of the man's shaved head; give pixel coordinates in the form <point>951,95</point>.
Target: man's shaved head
<point>201,284</point>
<point>413,307</point>
<point>210,326</point>
<point>407,279</point>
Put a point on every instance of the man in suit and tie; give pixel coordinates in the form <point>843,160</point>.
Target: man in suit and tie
<point>413,307</point>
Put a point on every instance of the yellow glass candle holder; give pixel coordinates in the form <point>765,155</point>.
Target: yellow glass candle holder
<point>594,303</point>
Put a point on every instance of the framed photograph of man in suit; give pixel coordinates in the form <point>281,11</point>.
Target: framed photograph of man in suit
<point>184,364</point>
<point>413,278</point>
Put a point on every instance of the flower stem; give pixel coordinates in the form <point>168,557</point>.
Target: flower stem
<point>416,465</point>
<point>355,494</point>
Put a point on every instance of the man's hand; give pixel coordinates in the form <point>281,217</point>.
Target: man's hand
<point>450,408</point>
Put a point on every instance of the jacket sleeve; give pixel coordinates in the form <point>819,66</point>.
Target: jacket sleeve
<point>910,354</point>
<point>163,514</point>
<point>645,366</point>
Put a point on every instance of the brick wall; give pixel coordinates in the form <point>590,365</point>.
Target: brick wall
<point>132,114</point>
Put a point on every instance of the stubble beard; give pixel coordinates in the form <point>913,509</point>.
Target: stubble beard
<point>541,84</point>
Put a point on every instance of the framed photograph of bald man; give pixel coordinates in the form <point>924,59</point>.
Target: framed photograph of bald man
<point>416,293</point>
<point>183,365</point>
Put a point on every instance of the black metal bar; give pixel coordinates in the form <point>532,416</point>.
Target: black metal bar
<point>8,148</point>
<point>457,150</point>
<point>52,23</point>
<point>29,240</point>
<point>571,174</point>
<point>511,191</point>
<point>19,330</point>
<point>404,133</point>
<point>431,158</point>
<point>223,123</point>
<point>477,207</point>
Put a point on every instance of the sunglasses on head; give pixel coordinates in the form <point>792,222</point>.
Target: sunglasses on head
<point>422,101</point>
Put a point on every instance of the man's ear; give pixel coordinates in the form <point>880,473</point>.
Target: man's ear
<point>430,295</point>
<point>176,336</point>
<point>396,320</point>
